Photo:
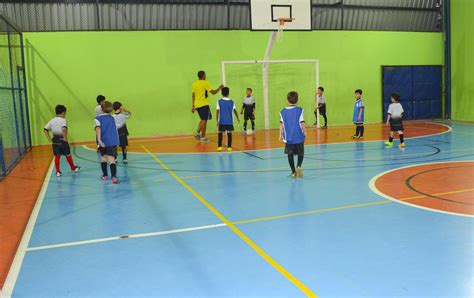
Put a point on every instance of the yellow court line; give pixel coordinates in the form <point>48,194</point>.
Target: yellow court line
<point>343,207</point>
<point>239,233</point>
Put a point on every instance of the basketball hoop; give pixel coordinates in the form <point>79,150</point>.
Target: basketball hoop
<point>281,26</point>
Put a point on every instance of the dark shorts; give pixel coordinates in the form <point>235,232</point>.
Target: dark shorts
<point>294,149</point>
<point>123,136</point>
<point>204,113</point>
<point>248,112</point>
<point>322,109</point>
<point>60,147</point>
<point>224,127</point>
<point>396,124</point>
<point>110,151</point>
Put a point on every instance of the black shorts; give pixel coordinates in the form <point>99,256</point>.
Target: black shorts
<point>60,147</point>
<point>322,109</point>
<point>123,136</point>
<point>294,149</point>
<point>248,112</point>
<point>110,151</point>
<point>224,127</point>
<point>396,124</point>
<point>204,113</point>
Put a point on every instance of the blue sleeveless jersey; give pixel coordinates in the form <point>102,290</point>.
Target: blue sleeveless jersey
<point>226,108</point>
<point>358,104</point>
<point>108,130</point>
<point>291,118</point>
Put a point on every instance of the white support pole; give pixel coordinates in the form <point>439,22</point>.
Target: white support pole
<point>266,64</point>
<point>317,86</point>
<point>223,73</point>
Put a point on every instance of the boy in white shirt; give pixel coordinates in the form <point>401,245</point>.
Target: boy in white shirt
<point>120,116</point>
<point>98,107</point>
<point>58,125</point>
<point>394,119</point>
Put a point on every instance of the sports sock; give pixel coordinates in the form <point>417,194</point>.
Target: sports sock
<point>56,163</point>
<point>253,124</point>
<point>124,152</point>
<point>362,131</point>
<point>300,160</point>
<point>401,139</point>
<point>103,165</point>
<point>219,139</point>
<point>325,120</point>
<point>113,170</point>
<point>71,163</point>
<point>357,130</point>
<point>229,139</point>
<point>245,125</point>
<point>291,161</point>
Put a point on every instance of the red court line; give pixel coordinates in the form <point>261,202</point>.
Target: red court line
<point>269,139</point>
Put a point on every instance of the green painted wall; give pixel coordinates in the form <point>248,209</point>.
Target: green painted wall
<point>462,60</point>
<point>152,72</point>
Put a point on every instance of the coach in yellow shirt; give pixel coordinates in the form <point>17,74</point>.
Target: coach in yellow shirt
<point>201,89</point>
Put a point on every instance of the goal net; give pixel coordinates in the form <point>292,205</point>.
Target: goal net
<point>271,80</point>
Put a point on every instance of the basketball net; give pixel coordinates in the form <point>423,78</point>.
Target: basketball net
<point>281,26</point>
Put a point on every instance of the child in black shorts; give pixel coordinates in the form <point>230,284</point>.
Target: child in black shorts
<point>394,119</point>
<point>58,125</point>
<point>120,115</point>
<point>248,110</point>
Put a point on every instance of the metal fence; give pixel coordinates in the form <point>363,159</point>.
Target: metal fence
<point>15,137</point>
<point>96,15</point>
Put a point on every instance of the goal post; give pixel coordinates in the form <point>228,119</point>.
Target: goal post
<point>276,77</point>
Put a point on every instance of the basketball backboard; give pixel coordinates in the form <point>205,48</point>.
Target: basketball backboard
<point>264,14</point>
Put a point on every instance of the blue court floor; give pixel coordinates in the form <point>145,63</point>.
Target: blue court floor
<point>159,233</point>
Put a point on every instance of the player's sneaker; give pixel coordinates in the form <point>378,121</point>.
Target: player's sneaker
<point>253,131</point>
<point>197,136</point>
<point>219,149</point>
<point>355,136</point>
<point>125,161</point>
<point>325,126</point>
<point>315,123</point>
<point>388,144</point>
<point>402,145</point>
<point>293,175</point>
<point>229,149</point>
<point>204,140</point>
<point>361,137</point>
<point>299,172</point>
<point>77,169</point>
<point>59,174</point>
<point>104,178</point>
<point>115,180</point>
<point>244,132</point>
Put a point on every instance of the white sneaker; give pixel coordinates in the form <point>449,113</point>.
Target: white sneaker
<point>77,169</point>
<point>204,140</point>
<point>59,174</point>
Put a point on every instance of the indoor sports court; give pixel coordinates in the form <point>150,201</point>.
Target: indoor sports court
<point>237,148</point>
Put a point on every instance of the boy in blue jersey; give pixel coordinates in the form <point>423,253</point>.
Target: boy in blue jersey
<point>225,119</point>
<point>358,117</point>
<point>293,133</point>
<point>107,141</point>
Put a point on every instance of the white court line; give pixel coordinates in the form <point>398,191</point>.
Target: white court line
<point>12,276</point>
<point>126,237</point>
<point>375,189</point>
<point>266,149</point>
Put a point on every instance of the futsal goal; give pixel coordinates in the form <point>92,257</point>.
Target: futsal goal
<point>270,81</point>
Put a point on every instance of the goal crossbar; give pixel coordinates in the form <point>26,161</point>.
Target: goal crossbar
<point>265,64</point>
